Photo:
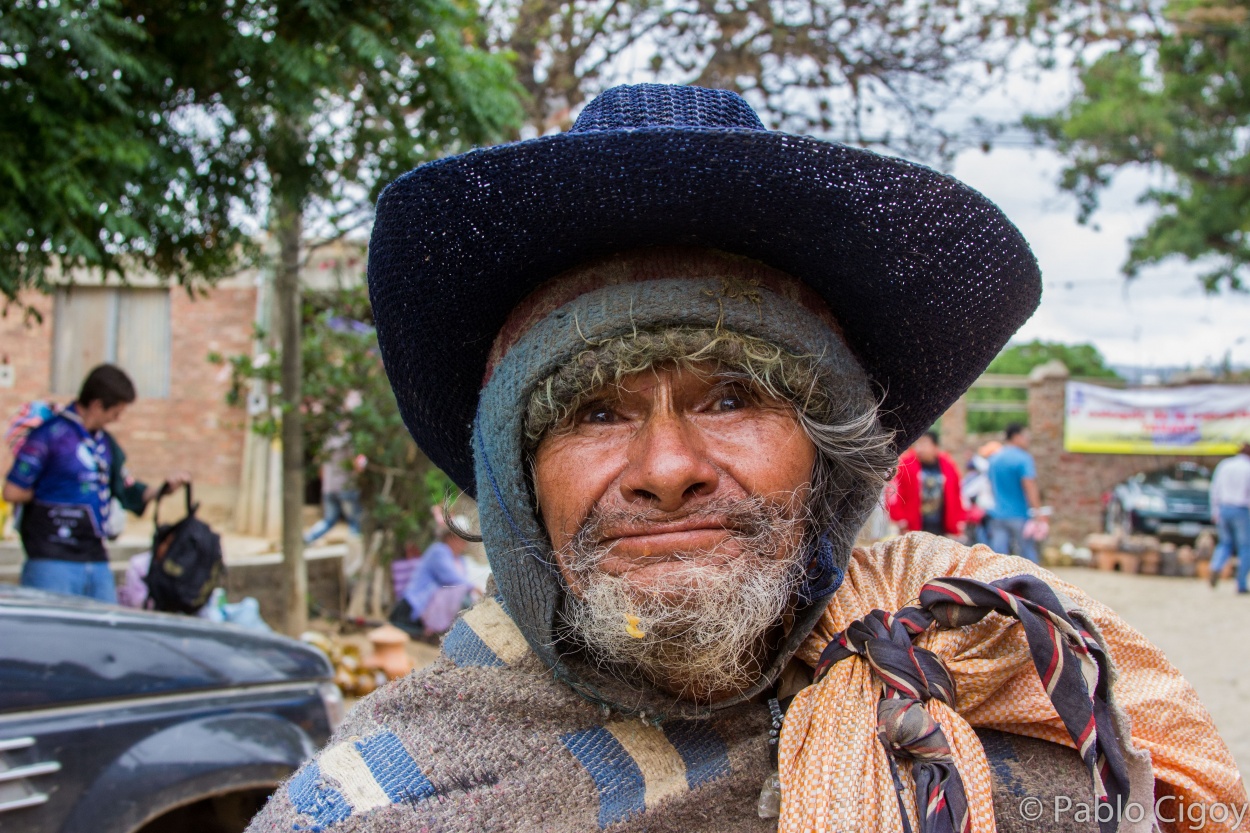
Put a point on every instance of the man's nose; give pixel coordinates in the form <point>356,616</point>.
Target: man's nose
<point>668,464</point>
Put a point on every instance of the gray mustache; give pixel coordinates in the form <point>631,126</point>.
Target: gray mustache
<point>744,518</point>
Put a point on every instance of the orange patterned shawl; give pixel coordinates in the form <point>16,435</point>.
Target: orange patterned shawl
<point>832,766</point>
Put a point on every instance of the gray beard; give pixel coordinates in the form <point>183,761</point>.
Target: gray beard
<point>702,634</point>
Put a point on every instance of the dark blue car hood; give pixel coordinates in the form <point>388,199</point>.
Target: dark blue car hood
<point>58,650</point>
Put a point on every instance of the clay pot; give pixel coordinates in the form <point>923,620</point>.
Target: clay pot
<point>1116,561</point>
<point>390,651</point>
<point>1099,542</point>
<point>1169,562</point>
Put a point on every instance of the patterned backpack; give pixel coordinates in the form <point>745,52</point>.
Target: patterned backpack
<point>29,417</point>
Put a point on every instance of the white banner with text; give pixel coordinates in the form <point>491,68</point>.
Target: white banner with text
<point>1196,419</point>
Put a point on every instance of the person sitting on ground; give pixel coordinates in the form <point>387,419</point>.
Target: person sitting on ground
<point>66,475</point>
<point>925,495</point>
<point>689,353</point>
<point>439,587</point>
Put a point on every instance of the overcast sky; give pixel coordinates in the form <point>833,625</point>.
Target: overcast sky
<point>1162,318</point>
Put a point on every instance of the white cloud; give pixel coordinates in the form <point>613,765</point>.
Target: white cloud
<point>1162,318</point>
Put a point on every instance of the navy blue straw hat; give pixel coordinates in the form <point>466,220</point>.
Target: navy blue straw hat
<point>926,276</point>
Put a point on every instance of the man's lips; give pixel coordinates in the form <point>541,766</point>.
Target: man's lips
<point>661,540</point>
<point>664,528</point>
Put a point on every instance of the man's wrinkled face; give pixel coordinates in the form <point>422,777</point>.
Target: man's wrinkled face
<point>674,502</point>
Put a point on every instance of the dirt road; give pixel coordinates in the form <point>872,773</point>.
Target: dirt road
<point>1205,633</point>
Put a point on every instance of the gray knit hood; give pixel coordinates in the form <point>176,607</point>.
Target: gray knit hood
<point>606,300</point>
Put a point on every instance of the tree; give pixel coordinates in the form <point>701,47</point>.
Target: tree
<point>863,71</point>
<point>1082,360</point>
<point>98,168</point>
<point>346,392</point>
<point>1170,91</point>
<point>334,99</point>
<point>303,108</point>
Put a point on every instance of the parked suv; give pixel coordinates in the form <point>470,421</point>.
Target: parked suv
<point>1171,502</point>
<point>118,721</point>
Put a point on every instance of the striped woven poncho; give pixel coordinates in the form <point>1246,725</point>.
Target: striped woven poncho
<point>485,739</point>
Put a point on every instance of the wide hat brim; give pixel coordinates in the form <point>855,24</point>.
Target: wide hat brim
<point>927,277</point>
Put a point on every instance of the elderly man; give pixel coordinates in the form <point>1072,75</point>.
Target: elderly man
<point>688,351</point>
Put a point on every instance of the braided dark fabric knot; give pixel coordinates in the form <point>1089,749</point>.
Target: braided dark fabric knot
<point>1071,664</point>
<point>910,675</point>
<point>909,731</point>
<point>950,615</point>
<point>885,640</point>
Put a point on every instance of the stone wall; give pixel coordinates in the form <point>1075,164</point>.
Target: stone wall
<point>263,577</point>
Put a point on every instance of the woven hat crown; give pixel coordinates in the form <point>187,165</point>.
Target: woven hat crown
<point>664,105</point>
<point>926,277</point>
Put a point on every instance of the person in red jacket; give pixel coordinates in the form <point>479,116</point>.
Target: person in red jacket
<point>925,492</point>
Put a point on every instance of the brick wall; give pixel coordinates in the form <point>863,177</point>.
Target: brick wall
<point>193,428</point>
<point>26,346</point>
<point>1072,483</point>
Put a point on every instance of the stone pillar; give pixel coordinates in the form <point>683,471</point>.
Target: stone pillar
<point>955,429</point>
<point>1046,415</point>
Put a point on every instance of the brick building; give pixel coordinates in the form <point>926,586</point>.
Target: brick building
<point>162,336</point>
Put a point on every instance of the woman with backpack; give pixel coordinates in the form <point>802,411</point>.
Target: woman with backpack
<point>65,476</point>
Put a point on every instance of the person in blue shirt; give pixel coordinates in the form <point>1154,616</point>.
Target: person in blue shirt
<point>65,476</point>
<point>438,588</point>
<point>1013,479</point>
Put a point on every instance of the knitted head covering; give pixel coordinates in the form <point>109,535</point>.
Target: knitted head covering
<point>925,279</point>
<point>597,302</point>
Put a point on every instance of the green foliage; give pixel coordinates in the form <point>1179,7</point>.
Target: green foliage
<point>335,99</point>
<point>1171,96</point>
<point>142,134</point>
<point>1082,360</point>
<point>346,392</point>
<point>98,167</point>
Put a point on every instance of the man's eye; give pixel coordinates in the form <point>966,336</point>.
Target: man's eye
<point>598,414</point>
<point>730,400</point>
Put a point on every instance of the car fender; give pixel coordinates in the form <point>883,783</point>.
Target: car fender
<point>187,762</point>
